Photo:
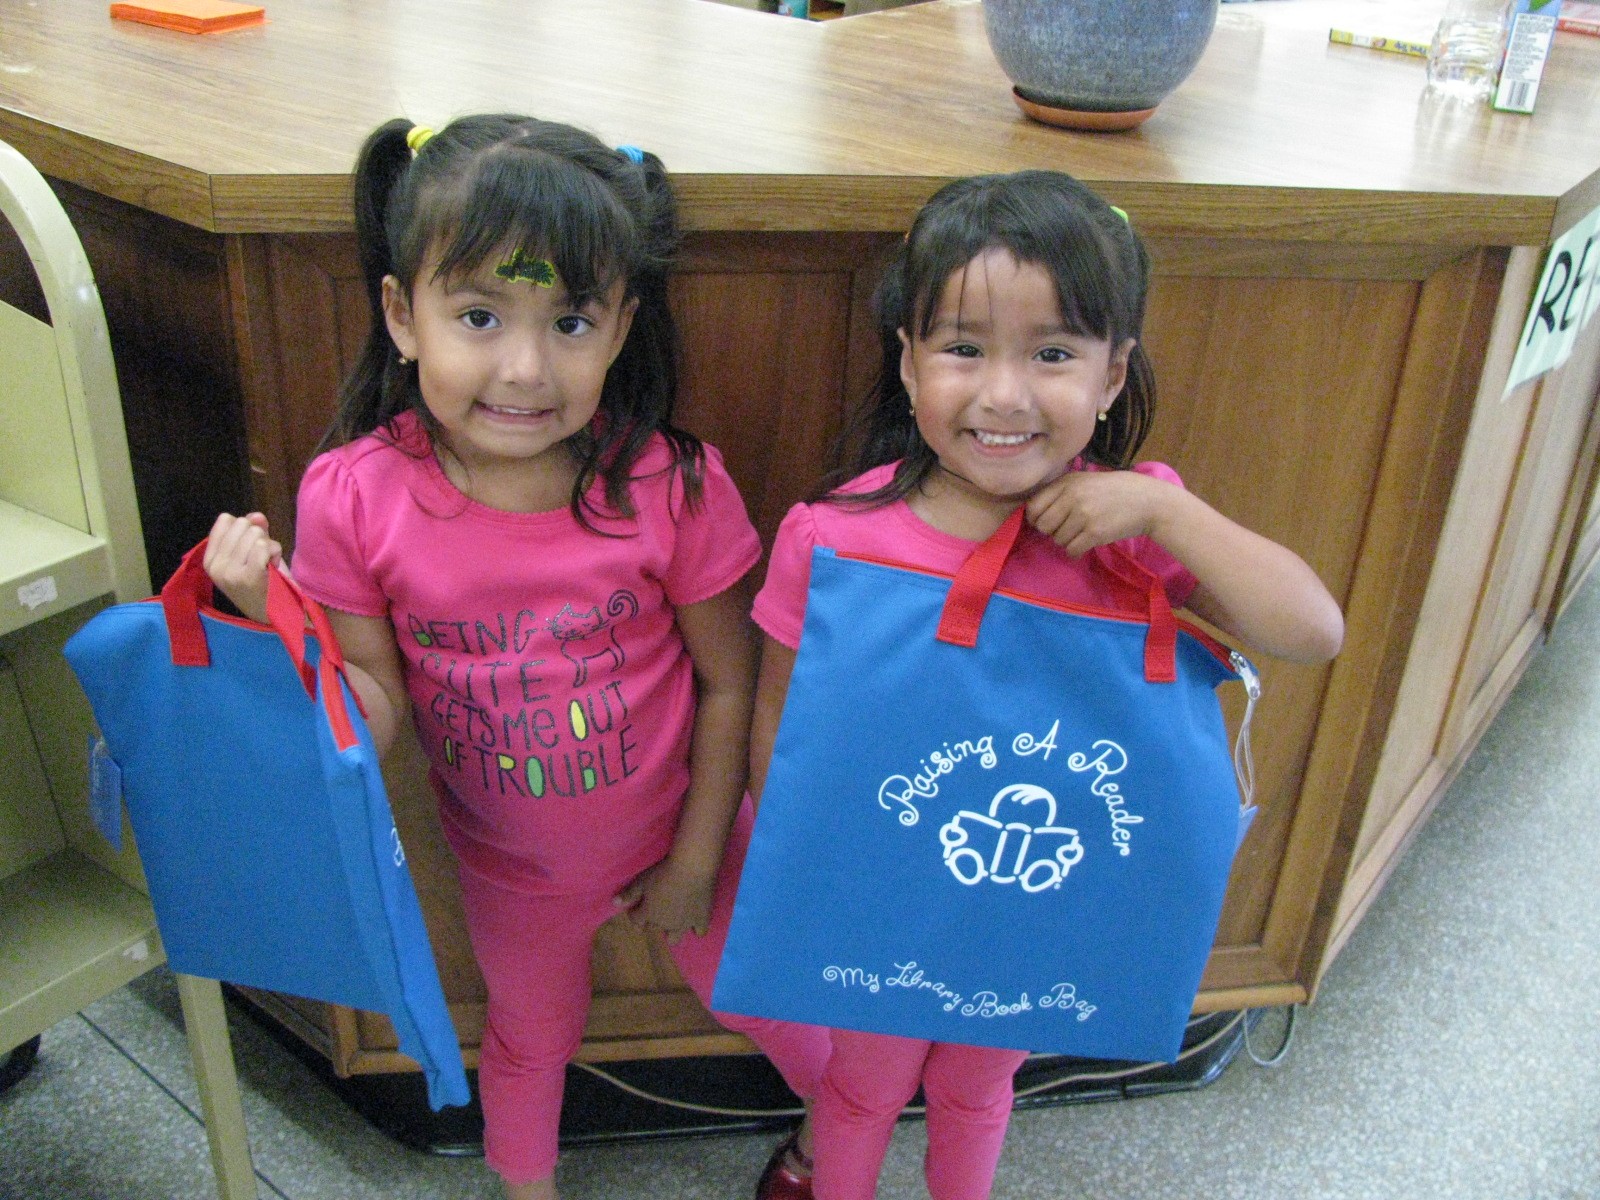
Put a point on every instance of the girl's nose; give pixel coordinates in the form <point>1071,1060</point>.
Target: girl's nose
<point>523,361</point>
<point>1005,388</point>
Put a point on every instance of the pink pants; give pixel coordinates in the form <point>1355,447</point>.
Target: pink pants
<point>534,952</point>
<point>871,1077</point>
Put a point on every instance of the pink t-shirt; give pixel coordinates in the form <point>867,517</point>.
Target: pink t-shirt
<point>1037,566</point>
<point>549,684</point>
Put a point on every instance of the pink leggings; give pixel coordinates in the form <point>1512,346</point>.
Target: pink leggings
<point>871,1077</point>
<point>534,952</point>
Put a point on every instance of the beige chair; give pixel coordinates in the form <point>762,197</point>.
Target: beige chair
<point>75,922</point>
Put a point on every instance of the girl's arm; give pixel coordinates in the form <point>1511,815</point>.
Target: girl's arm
<point>675,895</point>
<point>238,551</point>
<point>772,689</point>
<point>1249,586</point>
<point>372,665</point>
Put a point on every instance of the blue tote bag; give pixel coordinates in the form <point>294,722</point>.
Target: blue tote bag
<point>262,820</point>
<point>990,819</point>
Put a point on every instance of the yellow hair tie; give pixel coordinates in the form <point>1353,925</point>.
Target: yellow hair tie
<point>417,138</point>
<point>1121,214</point>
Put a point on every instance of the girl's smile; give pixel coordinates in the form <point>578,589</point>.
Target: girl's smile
<point>1004,393</point>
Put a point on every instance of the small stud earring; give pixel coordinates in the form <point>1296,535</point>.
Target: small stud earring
<point>1102,415</point>
<point>405,362</point>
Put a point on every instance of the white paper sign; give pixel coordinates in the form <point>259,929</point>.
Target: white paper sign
<point>37,594</point>
<point>1563,303</point>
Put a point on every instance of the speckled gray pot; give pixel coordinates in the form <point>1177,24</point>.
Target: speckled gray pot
<point>1098,55</point>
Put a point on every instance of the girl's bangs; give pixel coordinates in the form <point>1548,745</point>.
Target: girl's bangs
<point>1076,263</point>
<point>543,206</point>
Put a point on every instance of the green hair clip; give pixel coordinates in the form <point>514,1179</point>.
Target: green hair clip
<point>1121,214</point>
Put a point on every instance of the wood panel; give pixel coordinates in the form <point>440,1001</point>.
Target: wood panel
<point>1525,481</point>
<point>1422,451</point>
<point>165,291</point>
<point>1254,421</point>
<point>302,320</point>
<point>1581,374</point>
<point>778,338</point>
<point>19,285</point>
<point>770,325</point>
<point>1418,756</point>
<point>1520,588</point>
<point>1289,372</point>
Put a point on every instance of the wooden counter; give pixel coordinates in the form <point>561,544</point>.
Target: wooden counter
<point>1342,270</point>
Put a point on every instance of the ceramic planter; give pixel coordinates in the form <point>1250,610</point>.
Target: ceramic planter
<point>1107,63</point>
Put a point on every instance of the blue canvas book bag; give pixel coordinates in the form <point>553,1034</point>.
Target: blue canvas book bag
<point>991,819</point>
<point>262,820</point>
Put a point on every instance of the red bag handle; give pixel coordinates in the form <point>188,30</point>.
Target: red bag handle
<point>975,582</point>
<point>190,592</point>
<point>184,595</point>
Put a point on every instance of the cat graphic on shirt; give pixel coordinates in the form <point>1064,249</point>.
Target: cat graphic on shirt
<point>583,637</point>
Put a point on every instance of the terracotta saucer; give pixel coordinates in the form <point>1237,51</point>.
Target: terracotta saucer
<point>1071,118</point>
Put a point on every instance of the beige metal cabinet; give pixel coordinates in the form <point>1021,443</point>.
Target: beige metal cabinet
<point>75,922</point>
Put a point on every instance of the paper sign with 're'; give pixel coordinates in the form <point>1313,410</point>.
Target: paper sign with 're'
<point>1563,303</point>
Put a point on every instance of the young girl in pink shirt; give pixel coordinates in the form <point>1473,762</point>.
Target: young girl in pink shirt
<point>520,552</point>
<point>1012,375</point>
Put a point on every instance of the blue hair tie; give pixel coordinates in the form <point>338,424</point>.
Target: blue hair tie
<point>632,153</point>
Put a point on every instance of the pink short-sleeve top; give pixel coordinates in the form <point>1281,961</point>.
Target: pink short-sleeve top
<point>1037,566</point>
<point>549,685</point>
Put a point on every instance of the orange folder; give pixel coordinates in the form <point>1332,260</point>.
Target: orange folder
<point>192,16</point>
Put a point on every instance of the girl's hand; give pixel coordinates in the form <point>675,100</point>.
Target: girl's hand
<point>238,551</point>
<point>1248,586</point>
<point>671,898</point>
<point>674,896</point>
<point>1085,509</point>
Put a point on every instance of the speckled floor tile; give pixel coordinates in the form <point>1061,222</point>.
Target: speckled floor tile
<point>304,1140</point>
<point>1452,1052</point>
<point>87,1124</point>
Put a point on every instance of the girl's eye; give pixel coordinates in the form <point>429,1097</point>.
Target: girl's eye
<point>573,324</point>
<point>1055,354</point>
<point>964,350</point>
<point>479,318</point>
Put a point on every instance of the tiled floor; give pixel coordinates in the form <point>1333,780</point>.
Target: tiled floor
<point>1453,1053</point>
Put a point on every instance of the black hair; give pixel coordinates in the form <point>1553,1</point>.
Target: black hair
<point>1101,273</point>
<point>489,182</point>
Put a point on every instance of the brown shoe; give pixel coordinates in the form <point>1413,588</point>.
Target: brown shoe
<point>788,1173</point>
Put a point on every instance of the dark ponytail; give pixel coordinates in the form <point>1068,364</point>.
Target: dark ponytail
<point>642,386</point>
<point>379,388</point>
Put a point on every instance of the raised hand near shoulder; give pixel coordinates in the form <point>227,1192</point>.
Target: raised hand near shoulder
<point>1085,509</point>
<point>1248,586</point>
<point>238,551</point>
